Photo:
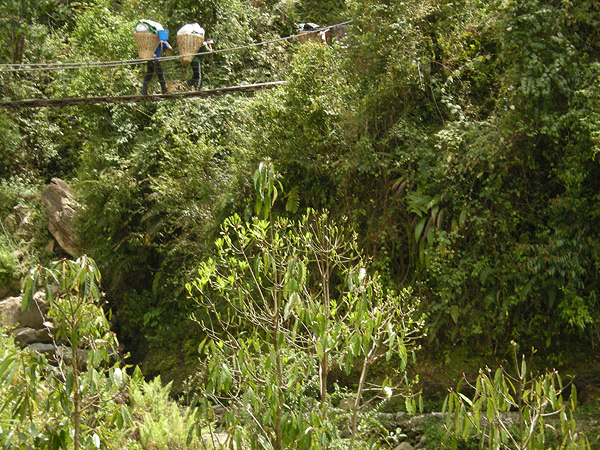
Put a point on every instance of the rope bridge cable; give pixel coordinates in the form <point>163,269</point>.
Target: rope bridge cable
<point>30,67</point>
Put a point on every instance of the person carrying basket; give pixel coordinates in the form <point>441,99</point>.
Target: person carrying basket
<point>196,80</point>
<point>192,44</point>
<point>147,32</point>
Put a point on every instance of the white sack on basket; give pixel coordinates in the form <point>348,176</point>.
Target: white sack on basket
<point>191,28</point>
<point>146,26</point>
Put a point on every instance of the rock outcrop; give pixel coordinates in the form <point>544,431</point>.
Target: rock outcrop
<point>61,207</point>
<point>12,315</point>
<point>34,330</point>
<point>30,328</point>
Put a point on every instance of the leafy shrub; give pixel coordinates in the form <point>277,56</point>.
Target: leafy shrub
<point>159,422</point>
<point>9,268</point>
<point>284,298</point>
<point>514,412</point>
<point>22,221</point>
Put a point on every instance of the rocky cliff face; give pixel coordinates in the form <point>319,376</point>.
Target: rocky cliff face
<point>61,207</point>
<point>32,328</point>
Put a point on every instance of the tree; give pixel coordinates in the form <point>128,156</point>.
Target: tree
<point>82,386</point>
<point>543,417</point>
<point>271,321</point>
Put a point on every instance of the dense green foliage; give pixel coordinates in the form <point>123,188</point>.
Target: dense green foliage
<point>458,138</point>
<point>35,408</point>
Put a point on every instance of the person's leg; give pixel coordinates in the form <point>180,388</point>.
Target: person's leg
<point>193,82</point>
<point>148,77</point>
<point>161,77</point>
<point>199,83</point>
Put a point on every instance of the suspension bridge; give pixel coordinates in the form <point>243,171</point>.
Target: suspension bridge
<point>108,99</point>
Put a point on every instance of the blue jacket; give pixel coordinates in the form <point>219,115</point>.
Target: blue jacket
<point>163,45</point>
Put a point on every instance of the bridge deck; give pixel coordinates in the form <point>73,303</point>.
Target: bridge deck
<point>59,102</point>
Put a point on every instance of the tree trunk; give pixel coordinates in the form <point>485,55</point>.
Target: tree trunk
<point>277,350</point>
<point>361,384</point>
<point>76,401</point>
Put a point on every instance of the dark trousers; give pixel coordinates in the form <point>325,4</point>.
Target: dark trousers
<point>154,67</point>
<point>196,81</point>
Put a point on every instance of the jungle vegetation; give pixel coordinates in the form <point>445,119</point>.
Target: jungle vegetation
<point>447,147</point>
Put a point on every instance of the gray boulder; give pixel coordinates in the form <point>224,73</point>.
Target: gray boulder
<point>61,207</point>
<point>26,336</point>
<point>12,315</point>
<point>46,349</point>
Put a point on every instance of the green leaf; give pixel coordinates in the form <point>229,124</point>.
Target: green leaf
<point>293,200</point>
<point>74,338</point>
<point>69,383</point>
<point>573,397</point>
<point>29,290</point>
<point>463,218</point>
<point>490,411</point>
<point>390,350</point>
<point>419,228</point>
<point>289,306</point>
<point>402,353</point>
<point>7,369</point>
<point>226,377</point>
<point>466,399</point>
<point>455,313</point>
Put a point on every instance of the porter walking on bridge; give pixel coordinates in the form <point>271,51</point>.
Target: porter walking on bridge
<point>147,35</point>
<point>192,44</point>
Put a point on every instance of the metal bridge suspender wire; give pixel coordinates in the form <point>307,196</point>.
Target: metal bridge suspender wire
<point>31,67</point>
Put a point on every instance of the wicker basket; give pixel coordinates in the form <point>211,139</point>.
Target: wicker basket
<point>305,36</point>
<point>146,44</point>
<point>189,44</point>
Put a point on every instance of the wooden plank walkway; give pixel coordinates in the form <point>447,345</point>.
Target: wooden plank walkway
<point>62,102</point>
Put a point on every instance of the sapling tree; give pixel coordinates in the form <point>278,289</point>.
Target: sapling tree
<point>253,358</point>
<point>381,325</point>
<point>329,251</point>
<point>514,412</point>
<point>281,299</point>
<point>68,401</point>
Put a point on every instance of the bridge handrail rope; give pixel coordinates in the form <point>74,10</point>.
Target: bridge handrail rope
<point>30,67</point>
